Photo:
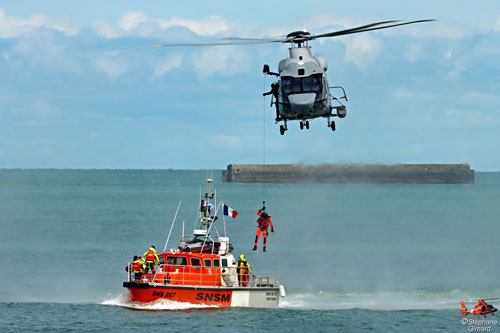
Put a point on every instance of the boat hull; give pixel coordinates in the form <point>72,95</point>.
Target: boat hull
<point>213,296</point>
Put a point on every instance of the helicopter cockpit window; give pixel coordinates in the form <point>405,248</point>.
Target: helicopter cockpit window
<point>309,84</point>
<point>297,86</point>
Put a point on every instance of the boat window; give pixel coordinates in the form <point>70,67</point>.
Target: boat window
<point>162,260</point>
<point>224,262</point>
<point>171,260</point>
<point>216,263</point>
<point>208,263</point>
<point>195,262</point>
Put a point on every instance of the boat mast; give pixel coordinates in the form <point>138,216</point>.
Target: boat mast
<point>205,218</point>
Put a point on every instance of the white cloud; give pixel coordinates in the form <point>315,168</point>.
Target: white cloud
<point>458,68</point>
<point>497,25</point>
<point>130,20</point>
<point>334,22</point>
<point>111,66</point>
<point>435,30</point>
<point>222,59</point>
<point>107,30</point>
<point>448,54</point>
<point>12,27</point>
<point>131,23</point>
<point>165,66</point>
<point>136,23</point>
<point>361,50</point>
<point>209,26</point>
<point>469,118</point>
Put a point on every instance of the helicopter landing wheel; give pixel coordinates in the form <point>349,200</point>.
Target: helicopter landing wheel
<point>333,126</point>
<point>307,124</point>
<point>301,125</point>
<point>282,130</point>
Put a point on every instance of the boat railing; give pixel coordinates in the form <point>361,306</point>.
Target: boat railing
<point>184,275</point>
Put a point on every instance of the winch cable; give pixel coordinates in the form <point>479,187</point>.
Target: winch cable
<point>264,139</point>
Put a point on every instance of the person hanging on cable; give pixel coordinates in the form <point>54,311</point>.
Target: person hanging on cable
<point>263,221</point>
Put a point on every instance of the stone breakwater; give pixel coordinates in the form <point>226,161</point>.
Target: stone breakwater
<point>350,173</point>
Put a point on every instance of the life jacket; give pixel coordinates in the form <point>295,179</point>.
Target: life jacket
<point>136,267</point>
<point>263,222</point>
<point>150,256</point>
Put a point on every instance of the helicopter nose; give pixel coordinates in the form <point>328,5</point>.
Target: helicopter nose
<point>302,103</point>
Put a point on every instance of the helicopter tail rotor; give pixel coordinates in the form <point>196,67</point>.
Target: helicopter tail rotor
<point>463,311</point>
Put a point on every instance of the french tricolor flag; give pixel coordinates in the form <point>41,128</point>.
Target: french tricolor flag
<point>228,211</point>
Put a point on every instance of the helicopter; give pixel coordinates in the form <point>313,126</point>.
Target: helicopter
<point>481,309</point>
<point>302,91</point>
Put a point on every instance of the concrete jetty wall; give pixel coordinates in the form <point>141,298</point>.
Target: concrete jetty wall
<point>350,173</point>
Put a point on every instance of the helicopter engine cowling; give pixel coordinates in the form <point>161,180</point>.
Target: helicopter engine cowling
<point>322,62</point>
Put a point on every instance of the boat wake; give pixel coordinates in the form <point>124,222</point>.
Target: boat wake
<point>381,301</point>
<point>123,300</point>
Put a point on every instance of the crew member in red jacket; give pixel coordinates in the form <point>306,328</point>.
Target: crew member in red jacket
<point>151,258</point>
<point>264,221</point>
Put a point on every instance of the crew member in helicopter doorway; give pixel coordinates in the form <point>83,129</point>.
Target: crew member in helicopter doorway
<point>264,221</point>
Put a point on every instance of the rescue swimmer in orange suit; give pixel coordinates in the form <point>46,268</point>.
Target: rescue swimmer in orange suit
<point>263,221</point>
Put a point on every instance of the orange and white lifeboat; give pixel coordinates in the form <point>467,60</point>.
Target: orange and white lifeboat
<point>203,271</point>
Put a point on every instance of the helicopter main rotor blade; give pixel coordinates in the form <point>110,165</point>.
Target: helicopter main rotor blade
<point>485,299</point>
<point>331,34</point>
<point>248,42</point>
<point>268,40</point>
<point>350,30</point>
<point>299,38</point>
<point>365,28</point>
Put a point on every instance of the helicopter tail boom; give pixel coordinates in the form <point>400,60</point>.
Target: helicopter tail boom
<point>464,311</point>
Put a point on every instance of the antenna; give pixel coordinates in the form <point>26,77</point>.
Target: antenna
<point>172,226</point>
<point>183,228</point>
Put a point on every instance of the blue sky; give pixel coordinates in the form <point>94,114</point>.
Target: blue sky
<point>81,86</point>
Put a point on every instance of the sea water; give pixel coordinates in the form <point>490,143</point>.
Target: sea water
<point>352,257</point>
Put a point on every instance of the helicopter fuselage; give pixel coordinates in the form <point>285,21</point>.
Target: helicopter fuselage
<point>303,87</point>
<point>302,91</point>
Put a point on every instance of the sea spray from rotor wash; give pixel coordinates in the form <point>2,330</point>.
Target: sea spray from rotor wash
<point>376,248</point>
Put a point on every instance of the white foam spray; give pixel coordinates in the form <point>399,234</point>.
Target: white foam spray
<point>123,300</point>
<point>381,301</point>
